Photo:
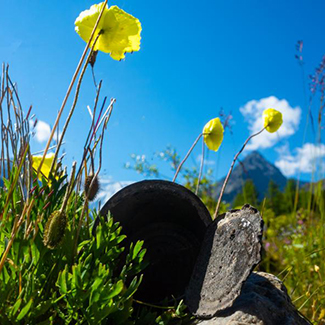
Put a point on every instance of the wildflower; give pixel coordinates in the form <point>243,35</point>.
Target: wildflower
<point>322,314</point>
<point>213,134</point>
<point>272,120</point>
<point>119,31</point>
<point>46,167</point>
<point>316,268</point>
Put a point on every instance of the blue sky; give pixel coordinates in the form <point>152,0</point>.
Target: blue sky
<point>195,58</point>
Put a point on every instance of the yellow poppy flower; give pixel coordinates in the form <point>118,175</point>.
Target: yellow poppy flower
<point>213,134</point>
<point>272,120</point>
<point>45,170</point>
<point>120,31</point>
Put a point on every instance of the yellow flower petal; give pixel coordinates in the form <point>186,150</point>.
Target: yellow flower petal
<point>45,170</point>
<point>322,314</point>
<point>272,120</point>
<point>120,31</point>
<point>213,134</point>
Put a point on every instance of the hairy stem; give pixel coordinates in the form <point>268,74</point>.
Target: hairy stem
<point>230,170</point>
<point>70,87</point>
<point>201,168</point>
<point>183,161</point>
<point>74,104</point>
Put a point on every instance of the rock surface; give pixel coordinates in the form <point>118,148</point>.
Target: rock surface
<point>230,251</point>
<point>263,301</point>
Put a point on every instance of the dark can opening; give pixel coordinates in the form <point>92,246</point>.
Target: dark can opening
<point>172,222</point>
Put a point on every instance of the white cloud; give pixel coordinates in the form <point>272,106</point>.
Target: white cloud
<point>305,159</point>
<point>253,110</point>
<point>108,188</point>
<point>56,137</point>
<point>42,131</point>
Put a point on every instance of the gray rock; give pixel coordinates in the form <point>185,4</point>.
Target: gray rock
<point>263,301</point>
<point>231,249</point>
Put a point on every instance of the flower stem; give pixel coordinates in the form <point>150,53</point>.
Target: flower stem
<point>183,161</point>
<point>75,100</point>
<point>70,88</point>
<point>230,170</point>
<point>201,168</point>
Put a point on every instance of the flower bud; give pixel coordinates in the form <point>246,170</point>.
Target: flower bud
<point>55,229</point>
<point>91,192</point>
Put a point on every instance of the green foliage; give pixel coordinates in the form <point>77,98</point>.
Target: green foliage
<point>295,248</point>
<point>207,190</point>
<point>294,241</point>
<point>248,195</point>
<point>90,290</point>
<point>289,195</point>
<point>76,282</point>
<point>54,267</point>
<point>275,198</point>
<point>161,315</point>
<point>142,166</point>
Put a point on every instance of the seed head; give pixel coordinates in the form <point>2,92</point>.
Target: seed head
<point>55,229</point>
<point>91,192</point>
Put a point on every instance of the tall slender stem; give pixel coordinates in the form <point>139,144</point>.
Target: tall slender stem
<point>75,100</point>
<point>230,170</point>
<point>189,152</point>
<point>70,87</point>
<point>85,207</point>
<point>201,168</point>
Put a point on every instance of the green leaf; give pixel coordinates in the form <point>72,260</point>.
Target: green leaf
<point>42,308</point>
<point>137,249</point>
<point>116,289</point>
<point>141,255</point>
<point>88,259</point>
<point>180,308</point>
<point>133,287</point>
<point>120,238</point>
<point>6,183</point>
<point>35,253</point>
<point>62,281</point>
<point>76,281</point>
<point>25,310</point>
<point>82,244</point>
<point>15,307</point>
<point>104,312</point>
<point>5,275</point>
<point>95,294</point>
<point>99,235</point>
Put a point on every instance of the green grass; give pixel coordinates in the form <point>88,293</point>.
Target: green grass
<point>295,251</point>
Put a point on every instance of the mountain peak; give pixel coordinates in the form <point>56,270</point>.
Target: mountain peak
<point>256,158</point>
<point>255,155</point>
<point>255,167</point>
